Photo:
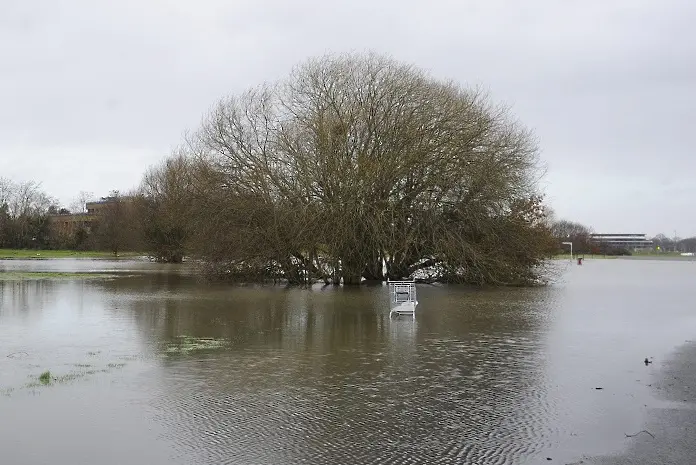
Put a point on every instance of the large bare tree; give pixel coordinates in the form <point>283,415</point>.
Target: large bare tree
<point>360,167</point>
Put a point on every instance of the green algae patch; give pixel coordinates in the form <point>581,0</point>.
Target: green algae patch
<point>185,345</point>
<point>50,275</point>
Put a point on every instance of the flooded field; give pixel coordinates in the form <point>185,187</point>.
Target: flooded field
<point>142,363</point>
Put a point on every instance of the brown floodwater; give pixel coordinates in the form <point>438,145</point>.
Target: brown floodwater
<point>151,366</point>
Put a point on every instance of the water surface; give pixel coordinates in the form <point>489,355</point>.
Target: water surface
<point>323,375</point>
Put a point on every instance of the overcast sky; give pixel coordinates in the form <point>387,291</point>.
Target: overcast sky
<point>92,92</point>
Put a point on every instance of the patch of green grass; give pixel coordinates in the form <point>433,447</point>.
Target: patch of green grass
<point>52,275</point>
<point>45,378</point>
<point>184,345</point>
<point>635,256</point>
<point>566,256</point>
<point>656,253</point>
<point>52,254</point>
<point>667,257</point>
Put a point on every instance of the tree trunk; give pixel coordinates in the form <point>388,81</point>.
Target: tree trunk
<point>374,271</point>
<point>351,279</point>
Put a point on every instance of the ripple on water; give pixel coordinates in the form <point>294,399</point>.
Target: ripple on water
<point>477,401</point>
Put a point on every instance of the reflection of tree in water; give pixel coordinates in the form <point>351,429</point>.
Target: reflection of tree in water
<point>325,376</point>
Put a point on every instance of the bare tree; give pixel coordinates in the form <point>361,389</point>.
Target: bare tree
<point>570,231</point>
<point>361,167</point>
<point>23,210</point>
<point>165,200</point>
<point>79,203</point>
<point>117,227</point>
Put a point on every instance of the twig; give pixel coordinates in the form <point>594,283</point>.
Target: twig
<point>641,431</point>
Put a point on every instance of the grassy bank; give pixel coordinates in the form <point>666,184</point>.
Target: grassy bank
<point>6,254</point>
<point>566,256</point>
<point>635,256</point>
<point>49,275</point>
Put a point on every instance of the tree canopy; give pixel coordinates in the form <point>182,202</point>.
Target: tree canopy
<point>359,167</point>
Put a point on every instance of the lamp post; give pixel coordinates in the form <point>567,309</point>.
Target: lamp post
<point>571,249</point>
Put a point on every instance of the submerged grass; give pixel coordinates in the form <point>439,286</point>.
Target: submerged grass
<point>184,345</point>
<point>45,378</point>
<point>52,275</point>
<point>48,379</point>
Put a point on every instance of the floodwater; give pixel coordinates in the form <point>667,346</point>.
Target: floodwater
<point>153,367</point>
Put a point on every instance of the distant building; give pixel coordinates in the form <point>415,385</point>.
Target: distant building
<point>68,224</point>
<point>98,207</point>
<point>621,241</point>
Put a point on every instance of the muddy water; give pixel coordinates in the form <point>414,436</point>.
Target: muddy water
<point>151,366</point>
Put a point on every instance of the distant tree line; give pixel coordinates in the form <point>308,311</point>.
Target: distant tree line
<point>674,244</point>
<point>26,213</point>
<point>581,237</point>
<point>23,215</point>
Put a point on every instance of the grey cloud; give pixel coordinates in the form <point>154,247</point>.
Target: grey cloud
<point>607,86</point>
